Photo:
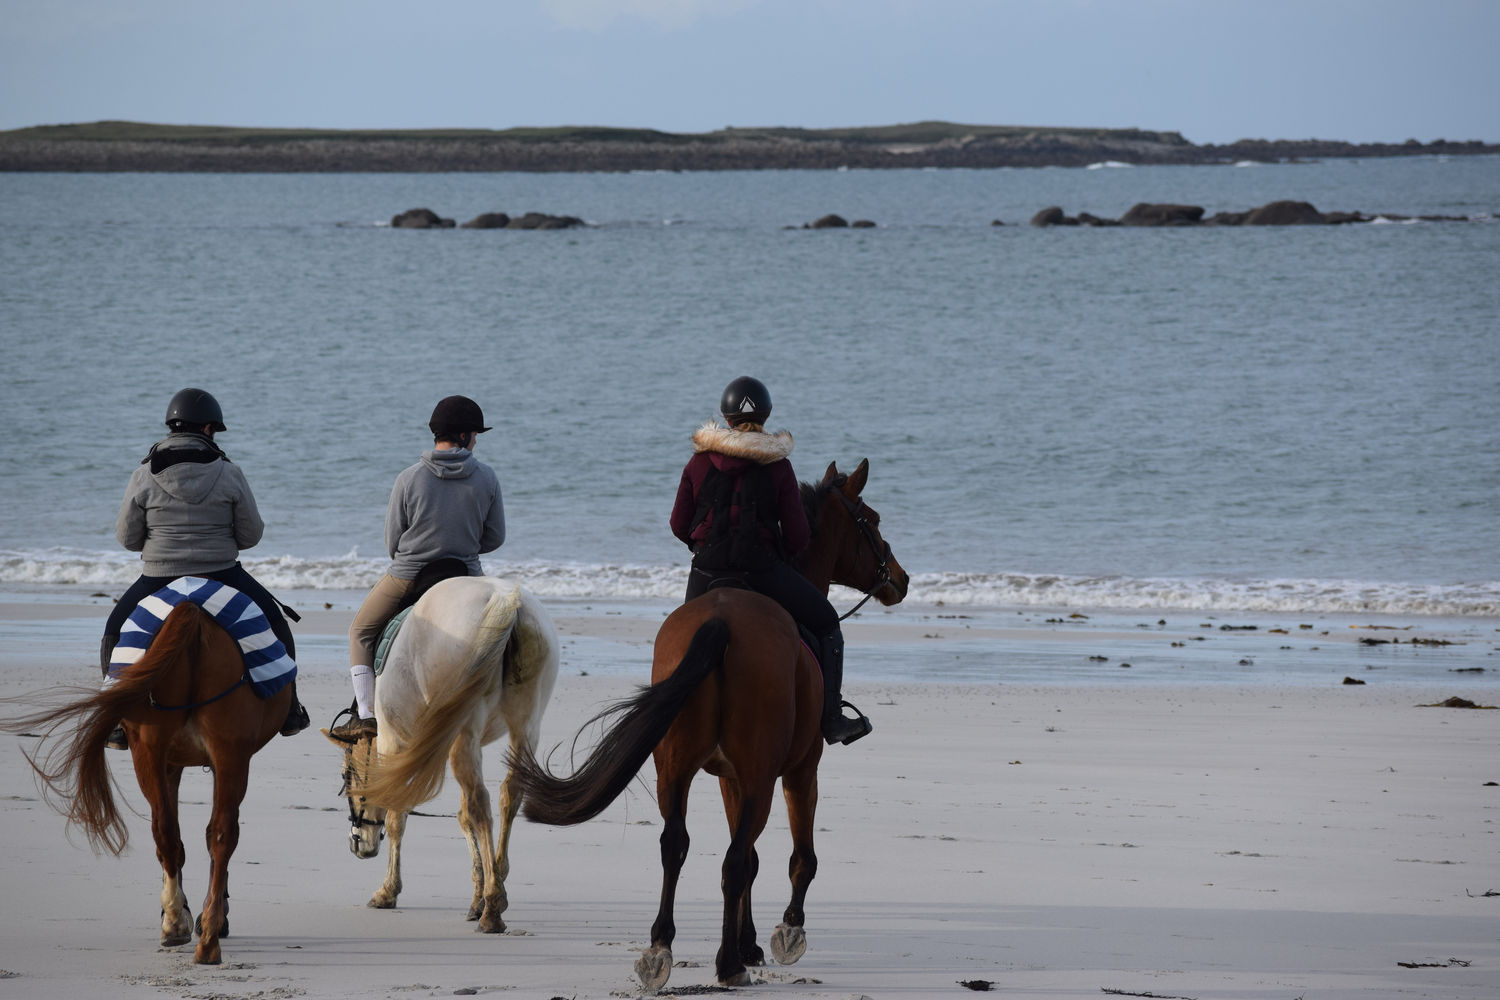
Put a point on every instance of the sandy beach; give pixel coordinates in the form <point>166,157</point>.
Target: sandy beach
<point>1055,840</point>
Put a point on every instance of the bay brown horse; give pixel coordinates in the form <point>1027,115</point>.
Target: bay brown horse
<point>734,692</point>
<point>182,704</point>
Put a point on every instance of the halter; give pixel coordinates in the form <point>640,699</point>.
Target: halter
<point>867,533</point>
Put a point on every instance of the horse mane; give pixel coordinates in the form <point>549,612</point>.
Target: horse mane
<point>814,495</point>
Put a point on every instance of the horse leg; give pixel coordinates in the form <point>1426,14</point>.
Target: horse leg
<point>478,825</point>
<point>510,805</point>
<point>750,952</point>
<point>747,817</point>
<point>800,788</point>
<point>231,778</point>
<point>655,964</point>
<point>159,783</point>
<point>385,896</point>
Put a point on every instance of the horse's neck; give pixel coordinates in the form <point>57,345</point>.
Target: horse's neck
<point>817,562</point>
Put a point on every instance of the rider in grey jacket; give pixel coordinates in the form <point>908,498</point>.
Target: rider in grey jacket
<point>189,511</point>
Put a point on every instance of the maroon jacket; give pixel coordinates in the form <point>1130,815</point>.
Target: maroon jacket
<point>794,530</point>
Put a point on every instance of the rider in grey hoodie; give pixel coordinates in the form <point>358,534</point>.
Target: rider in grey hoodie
<point>445,507</point>
<point>189,511</point>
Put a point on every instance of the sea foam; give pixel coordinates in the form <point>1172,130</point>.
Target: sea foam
<point>624,581</point>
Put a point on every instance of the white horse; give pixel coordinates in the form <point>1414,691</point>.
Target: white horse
<point>476,659</point>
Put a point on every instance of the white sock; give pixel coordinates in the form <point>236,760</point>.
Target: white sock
<point>363,677</point>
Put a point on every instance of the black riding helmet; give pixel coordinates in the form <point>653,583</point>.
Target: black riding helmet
<point>745,400</point>
<point>455,415</point>
<point>194,407</point>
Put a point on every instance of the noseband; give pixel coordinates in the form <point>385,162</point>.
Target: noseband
<point>867,533</point>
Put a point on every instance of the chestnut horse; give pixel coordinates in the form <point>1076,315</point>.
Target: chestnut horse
<point>475,660</point>
<point>182,704</point>
<point>734,692</point>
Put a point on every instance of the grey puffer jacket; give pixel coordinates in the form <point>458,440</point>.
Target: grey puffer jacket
<point>188,509</point>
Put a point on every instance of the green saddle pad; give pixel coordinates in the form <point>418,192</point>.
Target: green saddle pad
<point>387,637</point>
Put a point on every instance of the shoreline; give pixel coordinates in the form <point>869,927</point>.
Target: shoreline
<point>925,643</point>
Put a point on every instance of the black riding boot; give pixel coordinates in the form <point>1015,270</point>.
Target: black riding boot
<point>838,728</point>
<point>107,645</point>
<point>296,716</point>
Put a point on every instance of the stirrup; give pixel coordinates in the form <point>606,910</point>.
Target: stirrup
<point>352,728</point>
<point>842,729</point>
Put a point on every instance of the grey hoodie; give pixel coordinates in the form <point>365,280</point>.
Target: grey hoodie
<point>191,516</point>
<point>447,505</point>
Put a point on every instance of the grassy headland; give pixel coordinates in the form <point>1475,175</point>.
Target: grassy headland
<point>137,146</point>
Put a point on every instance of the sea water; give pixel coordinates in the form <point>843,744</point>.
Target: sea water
<point>1290,419</point>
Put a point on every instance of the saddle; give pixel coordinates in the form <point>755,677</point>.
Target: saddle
<point>427,577</point>
<point>734,581</point>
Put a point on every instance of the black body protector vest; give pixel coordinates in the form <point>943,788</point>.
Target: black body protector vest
<point>740,546</point>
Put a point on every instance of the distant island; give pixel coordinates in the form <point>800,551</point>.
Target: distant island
<point>134,146</point>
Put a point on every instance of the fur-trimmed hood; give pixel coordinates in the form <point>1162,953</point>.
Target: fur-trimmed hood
<point>757,446</point>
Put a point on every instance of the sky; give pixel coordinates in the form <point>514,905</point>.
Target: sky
<point>1213,70</point>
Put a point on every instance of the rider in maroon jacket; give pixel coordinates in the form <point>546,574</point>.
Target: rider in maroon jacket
<point>740,510</point>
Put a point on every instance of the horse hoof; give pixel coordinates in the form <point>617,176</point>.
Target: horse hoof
<point>207,954</point>
<point>379,902</point>
<point>173,940</point>
<point>488,926</point>
<point>741,978</point>
<point>788,944</point>
<point>653,967</point>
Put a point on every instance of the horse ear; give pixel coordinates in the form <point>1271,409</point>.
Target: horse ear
<point>857,479</point>
<point>832,473</point>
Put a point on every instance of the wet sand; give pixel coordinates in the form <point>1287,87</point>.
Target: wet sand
<point>1205,840</point>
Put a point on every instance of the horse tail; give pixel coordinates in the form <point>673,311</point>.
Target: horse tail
<point>414,773</point>
<point>643,721</point>
<point>73,773</point>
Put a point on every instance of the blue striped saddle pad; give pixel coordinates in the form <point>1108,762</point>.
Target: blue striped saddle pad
<point>266,661</point>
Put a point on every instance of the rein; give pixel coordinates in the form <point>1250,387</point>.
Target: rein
<point>867,534</point>
<point>197,704</point>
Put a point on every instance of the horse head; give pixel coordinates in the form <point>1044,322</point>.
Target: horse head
<point>849,545</point>
<point>366,819</point>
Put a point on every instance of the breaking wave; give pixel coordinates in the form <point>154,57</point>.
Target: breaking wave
<point>115,570</point>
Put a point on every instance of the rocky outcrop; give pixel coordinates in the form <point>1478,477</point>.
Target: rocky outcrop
<point>1285,213</point>
<point>541,220</point>
<point>420,218</point>
<point>1052,216</point>
<point>1276,213</point>
<point>487,220</point>
<point>1145,214</point>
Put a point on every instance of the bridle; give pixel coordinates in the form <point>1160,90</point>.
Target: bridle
<point>867,533</point>
<point>357,818</point>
